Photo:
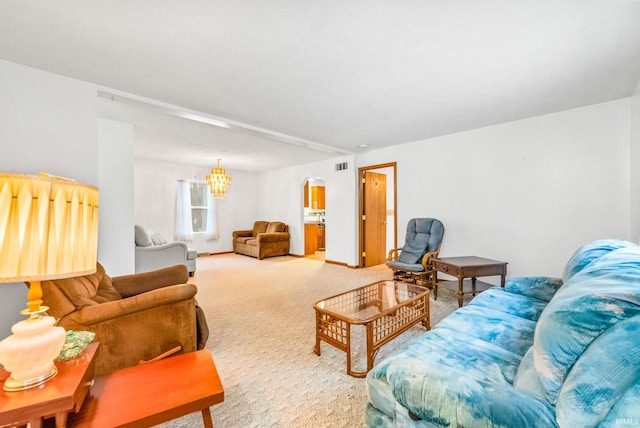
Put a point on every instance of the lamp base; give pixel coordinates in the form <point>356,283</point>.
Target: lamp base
<point>29,354</point>
<point>12,385</point>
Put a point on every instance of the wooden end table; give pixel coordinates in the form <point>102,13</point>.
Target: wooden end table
<point>152,393</point>
<point>57,397</point>
<point>385,308</point>
<point>466,267</point>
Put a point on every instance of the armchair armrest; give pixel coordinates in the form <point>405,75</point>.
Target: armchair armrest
<point>273,237</point>
<point>120,308</point>
<point>130,285</point>
<point>426,259</point>
<point>393,254</point>
<point>242,233</point>
<point>140,327</point>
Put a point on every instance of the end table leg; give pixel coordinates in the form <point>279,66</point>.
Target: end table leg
<point>61,419</point>
<point>206,418</point>
<point>460,289</point>
<point>434,278</point>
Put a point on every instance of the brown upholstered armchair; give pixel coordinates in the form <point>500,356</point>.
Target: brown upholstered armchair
<point>135,317</point>
<point>266,239</point>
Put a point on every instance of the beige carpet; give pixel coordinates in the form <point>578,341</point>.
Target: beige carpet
<point>261,320</point>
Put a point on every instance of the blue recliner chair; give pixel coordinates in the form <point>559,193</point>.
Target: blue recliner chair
<point>412,263</point>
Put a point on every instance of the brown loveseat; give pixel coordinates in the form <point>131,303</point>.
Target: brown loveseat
<point>266,239</point>
<point>135,317</point>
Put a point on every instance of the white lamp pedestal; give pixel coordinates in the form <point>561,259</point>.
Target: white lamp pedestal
<point>29,354</point>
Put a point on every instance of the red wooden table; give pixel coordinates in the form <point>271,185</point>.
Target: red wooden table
<point>56,397</point>
<point>153,393</point>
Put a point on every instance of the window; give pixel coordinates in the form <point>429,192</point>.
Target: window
<point>195,211</point>
<point>199,208</point>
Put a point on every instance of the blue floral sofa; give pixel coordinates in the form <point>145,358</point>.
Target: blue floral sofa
<point>540,352</point>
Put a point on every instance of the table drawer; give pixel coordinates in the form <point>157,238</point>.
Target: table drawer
<point>445,268</point>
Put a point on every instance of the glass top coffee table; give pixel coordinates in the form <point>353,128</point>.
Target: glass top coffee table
<point>385,308</point>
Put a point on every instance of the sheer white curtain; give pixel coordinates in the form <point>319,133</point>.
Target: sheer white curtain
<point>185,208</point>
<point>184,221</point>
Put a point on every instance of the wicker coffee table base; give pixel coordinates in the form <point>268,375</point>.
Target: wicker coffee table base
<point>380,328</point>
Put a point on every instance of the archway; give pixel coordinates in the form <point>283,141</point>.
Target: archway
<point>314,218</point>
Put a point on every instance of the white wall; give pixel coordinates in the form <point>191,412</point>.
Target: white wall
<point>280,194</point>
<point>115,180</point>
<point>49,123</point>
<point>635,164</point>
<point>155,186</point>
<point>527,192</point>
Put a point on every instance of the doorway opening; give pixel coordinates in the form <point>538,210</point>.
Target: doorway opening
<point>314,219</point>
<point>377,213</point>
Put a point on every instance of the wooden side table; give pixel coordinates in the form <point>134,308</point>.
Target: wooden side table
<point>466,267</point>
<point>57,397</point>
<point>153,393</point>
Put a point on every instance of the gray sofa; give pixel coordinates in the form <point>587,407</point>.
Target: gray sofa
<point>154,252</point>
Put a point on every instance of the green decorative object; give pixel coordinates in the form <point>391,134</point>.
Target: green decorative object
<point>75,343</point>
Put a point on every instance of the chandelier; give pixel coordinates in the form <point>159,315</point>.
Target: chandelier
<point>218,181</point>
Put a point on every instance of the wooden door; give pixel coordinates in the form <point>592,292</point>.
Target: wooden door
<point>375,218</point>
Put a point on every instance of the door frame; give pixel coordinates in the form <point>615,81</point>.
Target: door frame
<point>361,171</point>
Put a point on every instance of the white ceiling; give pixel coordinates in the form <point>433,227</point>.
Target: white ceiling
<point>298,81</point>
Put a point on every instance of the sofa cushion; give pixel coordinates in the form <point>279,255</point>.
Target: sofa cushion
<point>243,239</point>
<point>157,239</point>
<point>143,239</point>
<point>419,378</point>
<point>589,253</point>
<point>259,227</point>
<point>252,242</point>
<point>412,252</point>
<point>510,303</point>
<point>88,290</point>
<point>413,267</point>
<point>603,293</point>
<point>192,254</point>
<point>537,287</point>
<point>593,386</point>
<point>276,226</point>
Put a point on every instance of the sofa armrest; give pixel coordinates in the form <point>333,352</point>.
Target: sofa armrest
<point>131,285</point>
<point>121,308</point>
<point>273,237</point>
<point>469,401</point>
<point>537,287</point>
<point>160,256</point>
<point>242,233</point>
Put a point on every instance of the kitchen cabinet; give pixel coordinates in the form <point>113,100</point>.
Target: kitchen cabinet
<point>317,197</point>
<point>306,194</point>
<point>313,238</point>
<point>320,233</point>
<point>310,238</point>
